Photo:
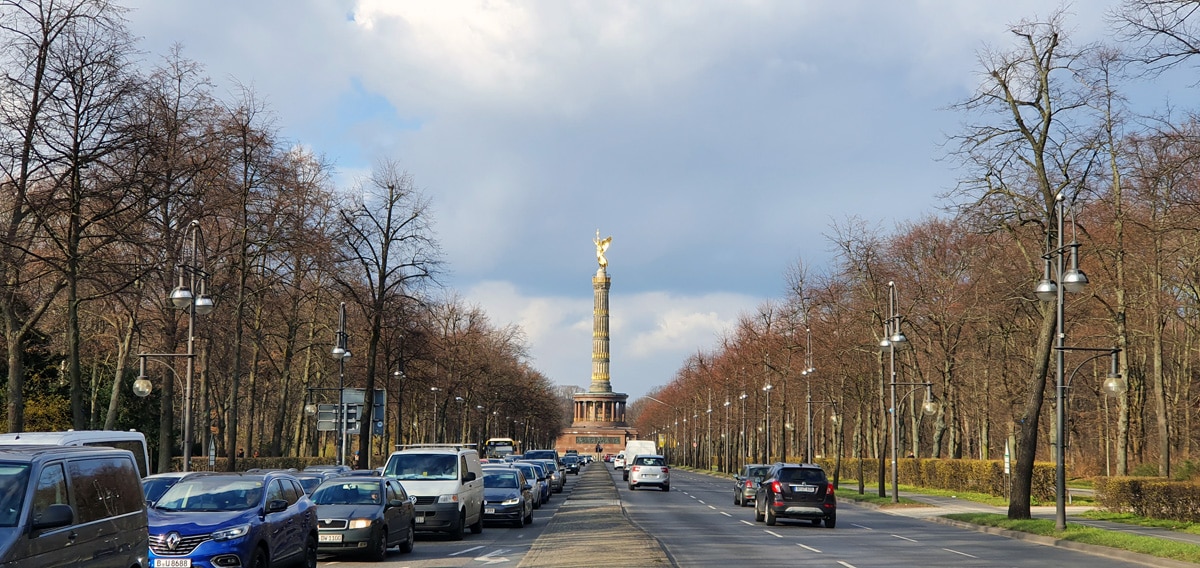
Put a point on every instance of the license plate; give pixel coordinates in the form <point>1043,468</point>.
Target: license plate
<point>804,488</point>
<point>329,538</point>
<point>172,563</point>
<point>420,519</point>
<point>489,511</point>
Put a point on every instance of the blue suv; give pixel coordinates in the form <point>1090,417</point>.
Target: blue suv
<point>233,520</point>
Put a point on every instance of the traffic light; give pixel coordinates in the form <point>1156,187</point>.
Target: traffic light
<point>378,411</point>
<point>352,416</point>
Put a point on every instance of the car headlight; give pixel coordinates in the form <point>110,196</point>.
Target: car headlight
<point>231,533</point>
<point>448,498</point>
<point>511,501</point>
<point>360,523</point>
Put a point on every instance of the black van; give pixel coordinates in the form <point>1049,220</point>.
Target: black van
<point>71,506</point>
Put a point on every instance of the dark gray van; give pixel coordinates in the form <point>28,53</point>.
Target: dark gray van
<point>71,506</point>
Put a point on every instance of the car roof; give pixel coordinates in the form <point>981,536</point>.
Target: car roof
<point>29,452</point>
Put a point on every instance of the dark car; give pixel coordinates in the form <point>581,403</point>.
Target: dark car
<point>536,477</point>
<point>218,520</point>
<point>745,483</point>
<point>507,496</point>
<point>571,463</point>
<point>364,514</point>
<point>310,480</point>
<point>796,491</point>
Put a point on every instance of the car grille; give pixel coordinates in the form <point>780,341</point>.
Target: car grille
<point>185,546</point>
<point>426,500</point>
<point>336,524</point>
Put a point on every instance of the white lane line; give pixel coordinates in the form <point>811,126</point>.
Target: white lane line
<point>744,522</point>
<point>903,538</point>
<point>808,548</point>
<point>962,553</point>
<point>701,502</point>
<point>726,514</point>
<point>464,551</point>
<point>846,564</point>
<point>773,533</point>
<point>862,527</point>
<point>711,507</point>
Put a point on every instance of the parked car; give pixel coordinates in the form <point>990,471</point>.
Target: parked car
<point>364,514</point>
<point>213,520</point>
<point>571,463</point>
<point>537,477</point>
<point>155,485</point>
<point>796,491</point>
<point>745,482</point>
<point>447,483</point>
<point>507,496</point>
<point>71,506</point>
<point>649,471</point>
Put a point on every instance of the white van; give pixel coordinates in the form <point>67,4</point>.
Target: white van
<point>131,440</point>
<point>635,448</point>
<point>446,483</point>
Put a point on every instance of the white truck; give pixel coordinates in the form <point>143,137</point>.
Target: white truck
<point>635,448</point>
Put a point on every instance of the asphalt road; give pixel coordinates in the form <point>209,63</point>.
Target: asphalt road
<point>699,525</point>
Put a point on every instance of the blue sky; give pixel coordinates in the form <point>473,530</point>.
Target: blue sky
<point>716,142</point>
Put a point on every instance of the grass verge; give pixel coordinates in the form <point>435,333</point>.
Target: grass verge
<point>1158,547</point>
<point>1130,518</point>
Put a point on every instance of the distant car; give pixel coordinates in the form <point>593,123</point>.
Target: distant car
<point>557,477</point>
<point>332,469</point>
<point>310,480</point>
<point>571,463</point>
<point>649,471</point>
<point>212,519</point>
<point>745,483</point>
<point>796,491</point>
<point>155,485</point>
<point>537,477</point>
<point>364,514</point>
<point>618,461</point>
<point>508,496</point>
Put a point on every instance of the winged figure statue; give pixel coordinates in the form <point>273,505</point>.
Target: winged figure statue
<point>601,247</point>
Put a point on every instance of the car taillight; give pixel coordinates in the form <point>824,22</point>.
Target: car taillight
<point>636,468</point>
<point>749,483</point>
<point>829,490</point>
<point>776,487</point>
<point>666,470</point>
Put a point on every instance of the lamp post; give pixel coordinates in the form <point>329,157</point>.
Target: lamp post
<point>1047,289</point>
<point>725,452</point>
<point>195,304</point>
<point>807,373</point>
<point>341,353</point>
<point>767,389</point>
<point>894,339</point>
<point>808,401</point>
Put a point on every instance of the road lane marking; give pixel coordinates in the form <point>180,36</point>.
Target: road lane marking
<point>846,564</point>
<point>747,522</point>
<point>962,553</point>
<point>862,527</point>
<point>903,538</point>
<point>773,533</point>
<point>711,507</point>
<point>464,551</point>
<point>726,514</point>
<point>808,548</point>
<point>701,502</point>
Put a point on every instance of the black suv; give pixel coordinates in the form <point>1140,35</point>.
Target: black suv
<point>796,491</point>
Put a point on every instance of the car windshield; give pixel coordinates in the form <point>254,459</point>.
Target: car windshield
<point>212,494</point>
<point>530,474</point>
<point>500,480</point>
<point>347,493</point>
<point>309,483</point>
<point>799,475</point>
<point>649,461</point>
<point>423,466</point>
<point>14,477</point>
<point>154,487</point>
<point>757,472</point>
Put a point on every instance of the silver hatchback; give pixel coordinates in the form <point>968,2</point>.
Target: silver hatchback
<point>649,471</point>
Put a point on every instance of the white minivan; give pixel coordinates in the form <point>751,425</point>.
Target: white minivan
<point>445,482</point>
<point>131,440</point>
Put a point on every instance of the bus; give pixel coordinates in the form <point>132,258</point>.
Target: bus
<point>499,447</point>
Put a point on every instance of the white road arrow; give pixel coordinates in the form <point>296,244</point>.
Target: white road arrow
<point>491,558</point>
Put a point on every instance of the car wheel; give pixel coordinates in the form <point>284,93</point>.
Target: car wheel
<point>407,545</point>
<point>379,546</point>
<point>771,518</point>
<point>456,528</point>
<point>632,487</point>
<point>260,559</point>
<point>831,521</point>
<point>666,488</point>
<point>737,500</point>
<point>529,518</point>
<point>478,526</point>
<point>757,516</point>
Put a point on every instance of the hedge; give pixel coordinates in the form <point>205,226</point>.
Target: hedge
<point>976,476</point>
<point>1152,497</point>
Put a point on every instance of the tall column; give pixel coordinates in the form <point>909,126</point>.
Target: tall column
<point>600,378</point>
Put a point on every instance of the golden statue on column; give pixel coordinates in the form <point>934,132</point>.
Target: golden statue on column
<point>601,248</point>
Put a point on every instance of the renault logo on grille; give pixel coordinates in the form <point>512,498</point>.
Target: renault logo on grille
<point>173,539</point>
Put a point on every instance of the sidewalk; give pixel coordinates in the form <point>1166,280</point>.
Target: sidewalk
<point>590,526</point>
<point>939,506</point>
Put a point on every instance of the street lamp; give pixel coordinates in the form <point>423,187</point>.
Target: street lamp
<point>808,371</point>
<point>725,452</point>
<point>744,448</point>
<point>191,277</point>
<point>767,389</point>
<point>894,339</point>
<point>341,353</point>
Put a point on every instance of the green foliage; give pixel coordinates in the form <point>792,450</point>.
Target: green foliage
<point>1145,470</point>
<point>1151,497</point>
<point>1186,470</point>
<point>976,476</point>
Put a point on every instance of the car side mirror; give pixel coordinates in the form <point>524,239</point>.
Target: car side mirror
<point>395,503</point>
<point>737,477</point>
<point>57,515</point>
<point>469,476</point>
<point>526,487</point>
<point>276,505</point>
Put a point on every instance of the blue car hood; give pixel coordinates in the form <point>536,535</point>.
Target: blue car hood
<point>198,522</point>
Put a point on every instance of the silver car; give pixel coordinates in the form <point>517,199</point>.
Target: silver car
<point>649,471</point>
